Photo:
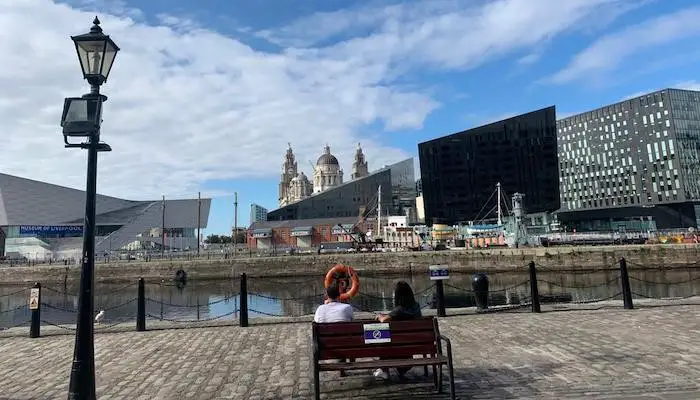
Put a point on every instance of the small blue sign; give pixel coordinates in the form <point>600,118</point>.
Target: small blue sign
<point>439,272</point>
<point>377,333</point>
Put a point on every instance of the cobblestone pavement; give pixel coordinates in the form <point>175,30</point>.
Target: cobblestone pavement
<point>605,354</point>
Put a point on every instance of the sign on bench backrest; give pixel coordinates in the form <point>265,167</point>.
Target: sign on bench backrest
<point>377,333</point>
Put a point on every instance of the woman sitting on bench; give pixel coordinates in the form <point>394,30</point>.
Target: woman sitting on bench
<point>405,308</point>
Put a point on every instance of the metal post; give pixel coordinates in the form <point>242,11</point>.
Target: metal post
<point>480,289</point>
<point>141,307</point>
<point>625,281</point>
<point>534,291</point>
<point>35,307</point>
<point>82,377</point>
<point>440,291</point>
<point>235,222</point>
<point>199,217</point>
<point>243,317</point>
<point>162,229</point>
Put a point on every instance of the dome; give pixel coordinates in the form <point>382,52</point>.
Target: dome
<point>327,158</point>
<point>301,177</point>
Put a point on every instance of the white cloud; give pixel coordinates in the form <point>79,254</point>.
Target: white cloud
<point>688,85</point>
<point>530,59</point>
<point>187,104</point>
<point>608,52</point>
<point>454,33</point>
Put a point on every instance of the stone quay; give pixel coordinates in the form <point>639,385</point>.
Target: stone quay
<point>488,260</point>
<point>647,353</point>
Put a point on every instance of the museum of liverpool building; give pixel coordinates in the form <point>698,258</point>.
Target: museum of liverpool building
<point>40,220</point>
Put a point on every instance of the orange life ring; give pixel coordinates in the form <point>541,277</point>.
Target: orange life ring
<point>335,274</point>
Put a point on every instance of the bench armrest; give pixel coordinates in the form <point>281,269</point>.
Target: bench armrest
<point>447,343</point>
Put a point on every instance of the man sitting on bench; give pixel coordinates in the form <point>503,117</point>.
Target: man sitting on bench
<point>333,310</point>
<point>405,308</point>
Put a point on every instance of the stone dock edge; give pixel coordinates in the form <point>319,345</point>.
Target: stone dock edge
<point>591,258</point>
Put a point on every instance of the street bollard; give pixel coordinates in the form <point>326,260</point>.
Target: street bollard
<point>141,307</point>
<point>625,282</point>
<point>534,291</point>
<point>480,287</point>
<point>243,317</point>
<point>35,307</point>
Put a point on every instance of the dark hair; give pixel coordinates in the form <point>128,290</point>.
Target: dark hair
<point>332,291</point>
<point>403,295</point>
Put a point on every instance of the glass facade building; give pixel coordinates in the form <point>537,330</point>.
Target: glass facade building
<point>258,213</point>
<point>350,199</point>
<point>459,172</point>
<point>40,220</point>
<point>635,160</point>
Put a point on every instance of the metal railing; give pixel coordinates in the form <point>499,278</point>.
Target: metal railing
<point>130,305</point>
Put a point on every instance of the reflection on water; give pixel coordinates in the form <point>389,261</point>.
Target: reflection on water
<point>301,296</point>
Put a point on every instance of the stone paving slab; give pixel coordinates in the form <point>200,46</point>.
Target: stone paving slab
<point>651,353</point>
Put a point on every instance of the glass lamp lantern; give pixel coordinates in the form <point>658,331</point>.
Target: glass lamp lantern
<point>81,116</point>
<point>96,53</point>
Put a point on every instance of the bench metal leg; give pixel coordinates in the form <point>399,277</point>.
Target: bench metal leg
<point>435,377</point>
<point>440,379</point>
<point>317,383</point>
<point>450,370</point>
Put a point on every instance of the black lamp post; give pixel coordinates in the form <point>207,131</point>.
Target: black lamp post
<point>82,117</point>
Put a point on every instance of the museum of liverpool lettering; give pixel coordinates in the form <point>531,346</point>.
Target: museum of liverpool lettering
<point>39,220</point>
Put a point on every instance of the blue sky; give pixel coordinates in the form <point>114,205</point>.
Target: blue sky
<point>206,94</point>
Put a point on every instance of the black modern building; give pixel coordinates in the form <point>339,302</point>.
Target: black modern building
<point>459,172</point>
<point>633,165</point>
<point>351,199</point>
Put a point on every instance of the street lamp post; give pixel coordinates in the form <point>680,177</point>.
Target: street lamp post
<point>82,117</point>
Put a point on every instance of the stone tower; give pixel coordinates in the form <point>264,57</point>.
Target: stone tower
<point>289,172</point>
<point>359,166</point>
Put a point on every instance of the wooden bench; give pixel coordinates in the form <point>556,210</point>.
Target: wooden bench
<point>347,341</point>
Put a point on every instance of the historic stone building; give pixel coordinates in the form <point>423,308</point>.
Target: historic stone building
<point>327,173</point>
<point>295,185</point>
<point>359,166</point>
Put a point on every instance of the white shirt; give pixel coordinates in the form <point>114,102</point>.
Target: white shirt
<point>333,312</point>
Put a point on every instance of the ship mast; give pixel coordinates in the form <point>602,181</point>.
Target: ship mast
<point>379,210</point>
<point>498,201</point>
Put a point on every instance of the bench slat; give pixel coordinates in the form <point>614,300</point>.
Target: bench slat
<point>366,351</point>
<point>334,342</point>
<point>415,362</point>
<point>352,328</point>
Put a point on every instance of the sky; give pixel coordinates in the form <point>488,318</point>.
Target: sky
<point>205,94</point>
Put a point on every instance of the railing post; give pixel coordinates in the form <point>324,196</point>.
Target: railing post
<point>197,306</point>
<point>162,281</point>
<point>35,307</point>
<point>534,291</point>
<point>625,281</point>
<point>440,293</point>
<point>244,301</point>
<point>480,288</point>
<point>141,307</point>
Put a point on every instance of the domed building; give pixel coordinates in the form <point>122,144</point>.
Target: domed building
<point>327,173</point>
<point>295,186</point>
<point>299,188</point>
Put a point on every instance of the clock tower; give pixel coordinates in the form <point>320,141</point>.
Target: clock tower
<point>289,171</point>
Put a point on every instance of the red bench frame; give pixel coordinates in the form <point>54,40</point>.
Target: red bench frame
<point>345,341</point>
